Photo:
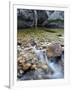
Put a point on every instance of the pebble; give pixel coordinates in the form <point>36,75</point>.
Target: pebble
<point>44,67</point>
<point>26,66</point>
<point>33,66</point>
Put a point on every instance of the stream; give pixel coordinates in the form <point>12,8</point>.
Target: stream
<point>53,70</point>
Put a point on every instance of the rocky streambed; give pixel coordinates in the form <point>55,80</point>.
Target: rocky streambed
<point>40,56</point>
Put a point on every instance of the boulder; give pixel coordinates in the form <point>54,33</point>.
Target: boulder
<point>55,19</point>
<point>54,50</point>
<point>55,15</point>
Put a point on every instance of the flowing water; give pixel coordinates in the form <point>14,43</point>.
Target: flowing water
<point>43,58</point>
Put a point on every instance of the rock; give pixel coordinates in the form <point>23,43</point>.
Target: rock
<point>19,43</point>
<point>30,57</point>
<point>44,67</point>
<point>56,15</point>
<point>21,71</point>
<point>51,19</point>
<point>32,42</point>
<point>55,19</point>
<point>33,66</point>
<point>42,16</point>
<point>23,64</point>
<point>22,53</point>
<point>25,18</point>
<point>54,25</point>
<point>21,59</point>
<point>54,49</point>
<point>26,66</point>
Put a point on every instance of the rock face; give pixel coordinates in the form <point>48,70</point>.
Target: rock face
<point>55,19</point>
<point>55,15</point>
<point>42,16</point>
<point>49,19</point>
<point>25,18</point>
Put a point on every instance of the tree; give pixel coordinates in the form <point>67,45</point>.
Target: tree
<point>35,16</point>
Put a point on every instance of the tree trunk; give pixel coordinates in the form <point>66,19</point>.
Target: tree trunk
<point>35,12</point>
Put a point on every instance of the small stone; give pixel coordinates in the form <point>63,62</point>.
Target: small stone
<point>21,59</point>
<point>33,66</point>
<point>21,53</point>
<point>21,71</point>
<point>45,67</point>
<point>32,42</point>
<point>19,43</point>
<point>26,66</point>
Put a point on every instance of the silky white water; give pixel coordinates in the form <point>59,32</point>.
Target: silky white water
<point>42,57</point>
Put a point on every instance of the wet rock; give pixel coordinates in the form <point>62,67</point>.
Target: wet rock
<point>30,57</point>
<point>21,59</point>
<point>33,66</point>
<point>32,42</point>
<point>19,43</point>
<point>54,49</point>
<point>26,66</point>
<point>21,72</point>
<point>44,67</point>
